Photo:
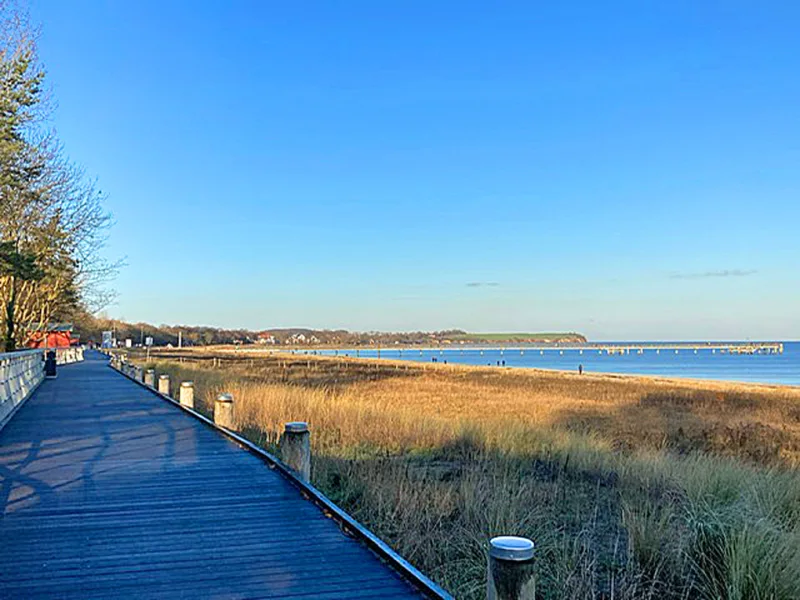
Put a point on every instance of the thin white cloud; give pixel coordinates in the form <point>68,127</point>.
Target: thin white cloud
<point>712,274</point>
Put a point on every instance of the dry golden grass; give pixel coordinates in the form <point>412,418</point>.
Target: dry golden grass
<point>632,487</point>
<point>754,422</point>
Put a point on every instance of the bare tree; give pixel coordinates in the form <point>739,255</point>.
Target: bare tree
<point>52,221</point>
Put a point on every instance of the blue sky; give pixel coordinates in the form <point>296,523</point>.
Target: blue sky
<point>627,170</point>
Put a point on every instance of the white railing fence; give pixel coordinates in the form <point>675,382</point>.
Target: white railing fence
<point>65,356</point>
<point>22,372</point>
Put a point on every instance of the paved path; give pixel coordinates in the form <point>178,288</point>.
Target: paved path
<point>107,491</point>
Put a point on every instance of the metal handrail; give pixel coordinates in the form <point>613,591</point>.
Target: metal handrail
<point>19,353</point>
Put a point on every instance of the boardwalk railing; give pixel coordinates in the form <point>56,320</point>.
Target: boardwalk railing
<point>22,372</point>
<point>65,356</point>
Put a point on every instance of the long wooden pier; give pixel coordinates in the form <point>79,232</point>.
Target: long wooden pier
<point>109,491</point>
<point>611,348</point>
<point>622,348</point>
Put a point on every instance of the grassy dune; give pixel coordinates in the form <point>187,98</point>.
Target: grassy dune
<point>631,487</point>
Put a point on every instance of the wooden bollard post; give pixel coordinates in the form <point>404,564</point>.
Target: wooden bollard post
<point>187,394</point>
<point>296,448</point>
<point>150,377</point>
<point>223,411</point>
<point>510,572</point>
<point>163,384</point>
<point>139,373</point>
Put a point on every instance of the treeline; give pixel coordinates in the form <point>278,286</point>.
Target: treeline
<point>52,222</point>
<point>91,329</point>
<point>341,337</point>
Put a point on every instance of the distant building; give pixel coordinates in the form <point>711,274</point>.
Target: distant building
<point>266,338</point>
<point>108,339</point>
<point>55,335</point>
<point>297,338</point>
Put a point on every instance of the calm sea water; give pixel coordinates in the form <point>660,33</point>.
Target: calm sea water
<point>760,368</point>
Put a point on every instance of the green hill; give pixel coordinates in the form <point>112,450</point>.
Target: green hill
<point>541,338</point>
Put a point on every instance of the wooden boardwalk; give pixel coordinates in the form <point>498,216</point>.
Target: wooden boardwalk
<point>108,491</point>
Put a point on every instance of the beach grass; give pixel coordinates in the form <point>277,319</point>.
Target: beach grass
<point>631,487</point>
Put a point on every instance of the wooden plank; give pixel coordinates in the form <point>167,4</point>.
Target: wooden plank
<point>107,491</point>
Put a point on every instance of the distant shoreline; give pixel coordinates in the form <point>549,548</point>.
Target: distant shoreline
<point>588,375</point>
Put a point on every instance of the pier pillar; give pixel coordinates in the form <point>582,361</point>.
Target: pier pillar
<point>187,394</point>
<point>163,384</point>
<point>223,411</point>
<point>150,377</point>
<point>510,569</point>
<point>296,448</point>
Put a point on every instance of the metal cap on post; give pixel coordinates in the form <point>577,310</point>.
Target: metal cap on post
<point>163,384</point>
<point>187,394</point>
<point>510,571</point>
<point>223,411</point>
<point>296,448</point>
<point>150,377</point>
